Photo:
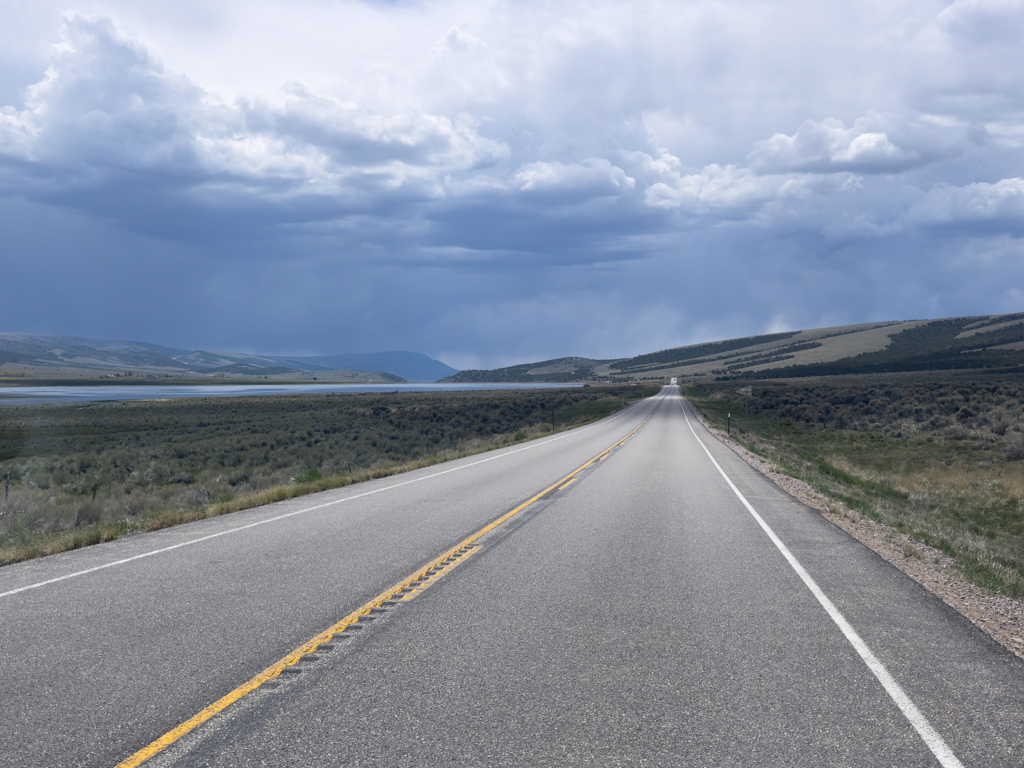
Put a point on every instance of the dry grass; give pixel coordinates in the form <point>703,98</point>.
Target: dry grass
<point>845,345</point>
<point>909,550</point>
<point>48,542</point>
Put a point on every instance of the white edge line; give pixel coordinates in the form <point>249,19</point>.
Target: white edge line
<point>534,444</point>
<point>917,719</point>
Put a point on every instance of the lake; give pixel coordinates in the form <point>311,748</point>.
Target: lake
<point>69,395</point>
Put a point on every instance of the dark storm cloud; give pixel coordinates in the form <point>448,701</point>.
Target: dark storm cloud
<point>596,179</point>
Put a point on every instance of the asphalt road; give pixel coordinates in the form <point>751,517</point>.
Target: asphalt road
<point>641,614</point>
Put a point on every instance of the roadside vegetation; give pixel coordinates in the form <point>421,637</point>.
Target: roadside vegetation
<point>937,456</point>
<point>77,475</point>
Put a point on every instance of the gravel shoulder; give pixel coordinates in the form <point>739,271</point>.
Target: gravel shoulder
<point>1002,618</point>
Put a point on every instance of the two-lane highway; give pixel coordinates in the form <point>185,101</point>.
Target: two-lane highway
<point>107,648</point>
<point>663,605</point>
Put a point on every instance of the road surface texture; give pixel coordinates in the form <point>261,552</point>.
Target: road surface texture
<point>665,605</point>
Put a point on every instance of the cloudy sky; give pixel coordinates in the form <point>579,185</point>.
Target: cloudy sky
<point>496,182</point>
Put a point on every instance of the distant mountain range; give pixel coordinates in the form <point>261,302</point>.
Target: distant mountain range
<point>40,356</point>
<point>984,341</point>
<point>411,366</point>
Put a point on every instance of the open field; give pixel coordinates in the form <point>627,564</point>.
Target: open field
<point>81,474</point>
<point>936,456</point>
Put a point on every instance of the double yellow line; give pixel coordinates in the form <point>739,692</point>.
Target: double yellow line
<point>457,554</point>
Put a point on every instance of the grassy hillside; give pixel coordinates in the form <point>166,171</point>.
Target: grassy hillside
<point>995,341</point>
<point>684,355</point>
<point>958,343</point>
<point>562,369</point>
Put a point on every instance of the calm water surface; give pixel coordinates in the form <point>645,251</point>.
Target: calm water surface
<point>10,396</point>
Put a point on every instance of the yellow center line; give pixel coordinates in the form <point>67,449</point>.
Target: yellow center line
<point>295,656</point>
<point>568,484</point>
<point>430,581</point>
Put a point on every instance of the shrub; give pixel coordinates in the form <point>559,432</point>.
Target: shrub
<point>148,464</point>
<point>308,475</point>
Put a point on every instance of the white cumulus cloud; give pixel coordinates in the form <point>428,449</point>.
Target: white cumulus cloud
<point>979,203</point>
<point>594,175</point>
<point>458,41</point>
<point>107,108</point>
<point>728,190</point>
<point>828,147</point>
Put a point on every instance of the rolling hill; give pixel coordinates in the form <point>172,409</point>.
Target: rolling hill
<point>72,356</point>
<point>976,342</point>
<point>986,341</point>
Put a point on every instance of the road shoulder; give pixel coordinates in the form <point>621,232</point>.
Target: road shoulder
<point>1000,617</point>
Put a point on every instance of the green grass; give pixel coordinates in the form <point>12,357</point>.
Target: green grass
<point>951,482</point>
<point>308,475</point>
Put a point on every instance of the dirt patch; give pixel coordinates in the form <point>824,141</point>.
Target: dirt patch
<point>1002,618</point>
